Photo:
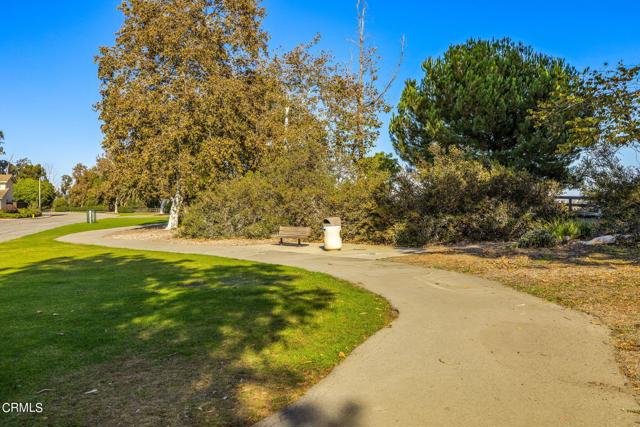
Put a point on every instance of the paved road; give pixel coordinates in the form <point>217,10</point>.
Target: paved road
<point>463,352</point>
<point>14,228</point>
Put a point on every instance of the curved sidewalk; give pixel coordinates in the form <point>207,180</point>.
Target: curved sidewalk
<point>463,352</point>
<point>14,228</point>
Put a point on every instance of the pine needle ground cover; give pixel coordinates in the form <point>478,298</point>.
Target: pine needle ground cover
<point>104,336</point>
<point>602,281</point>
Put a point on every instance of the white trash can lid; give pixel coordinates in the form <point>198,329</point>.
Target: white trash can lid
<point>332,220</point>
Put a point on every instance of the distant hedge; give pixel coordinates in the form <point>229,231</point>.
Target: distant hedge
<point>61,205</point>
<point>22,213</point>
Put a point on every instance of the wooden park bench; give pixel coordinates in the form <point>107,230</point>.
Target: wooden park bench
<point>293,233</point>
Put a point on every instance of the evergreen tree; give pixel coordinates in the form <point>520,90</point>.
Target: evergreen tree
<point>478,97</point>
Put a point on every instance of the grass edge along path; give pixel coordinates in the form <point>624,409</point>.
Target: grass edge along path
<point>103,336</point>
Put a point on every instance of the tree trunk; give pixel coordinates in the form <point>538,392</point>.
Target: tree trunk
<point>163,203</point>
<point>115,209</point>
<point>174,213</point>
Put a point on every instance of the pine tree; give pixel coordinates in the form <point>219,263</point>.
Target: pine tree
<point>478,97</point>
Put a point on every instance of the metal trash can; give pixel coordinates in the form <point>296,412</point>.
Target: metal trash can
<point>332,227</point>
<point>91,216</point>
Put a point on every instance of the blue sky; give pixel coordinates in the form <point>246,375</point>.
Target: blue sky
<point>48,79</point>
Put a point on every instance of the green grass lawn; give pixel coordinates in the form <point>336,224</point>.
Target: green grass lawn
<point>165,338</point>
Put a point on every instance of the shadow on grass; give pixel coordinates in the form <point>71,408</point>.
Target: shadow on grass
<point>159,337</point>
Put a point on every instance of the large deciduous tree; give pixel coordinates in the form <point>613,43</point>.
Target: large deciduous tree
<point>181,104</point>
<point>478,97</point>
<point>86,188</point>
<point>27,190</point>
<point>611,98</point>
<point>65,185</point>
<point>23,168</point>
<point>93,186</point>
<point>344,100</point>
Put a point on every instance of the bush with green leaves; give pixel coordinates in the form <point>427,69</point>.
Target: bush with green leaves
<point>7,215</point>
<point>132,206</point>
<point>26,190</point>
<point>297,189</point>
<point>453,199</point>
<point>245,207</point>
<point>615,190</point>
<point>537,238</point>
<point>126,209</point>
<point>569,229</point>
<point>457,198</point>
<point>292,189</point>
<point>30,212</point>
<point>363,199</point>
<point>60,204</point>
<point>97,208</point>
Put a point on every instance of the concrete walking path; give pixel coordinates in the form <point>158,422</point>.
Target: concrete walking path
<point>14,228</point>
<point>463,352</point>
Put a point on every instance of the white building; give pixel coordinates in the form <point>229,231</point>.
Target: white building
<point>6,192</point>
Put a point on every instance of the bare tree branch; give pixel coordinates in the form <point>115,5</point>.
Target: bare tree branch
<point>394,76</point>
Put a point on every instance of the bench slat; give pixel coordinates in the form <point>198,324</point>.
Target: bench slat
<point>285,232</point>
<point>294,231</point>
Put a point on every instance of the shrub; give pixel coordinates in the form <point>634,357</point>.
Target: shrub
<point>126,209</point>
<point>453,199</point>
<point>291,189</point>
<point>60,204</point>
<point>298,189</point>
<point>363,200</point>
<point>457,198</point>
<point>240,208</point>
<point>537,238</point>
<point>11,209</point>
<point>569,229</point>
<point>615,190</point>
<point>7,215</point>
<point>132,206</point>
<point>29,212</point>
<point>98,208</point>
<point>587,229</point>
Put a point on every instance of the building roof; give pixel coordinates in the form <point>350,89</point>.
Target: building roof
<point>4,177</point>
